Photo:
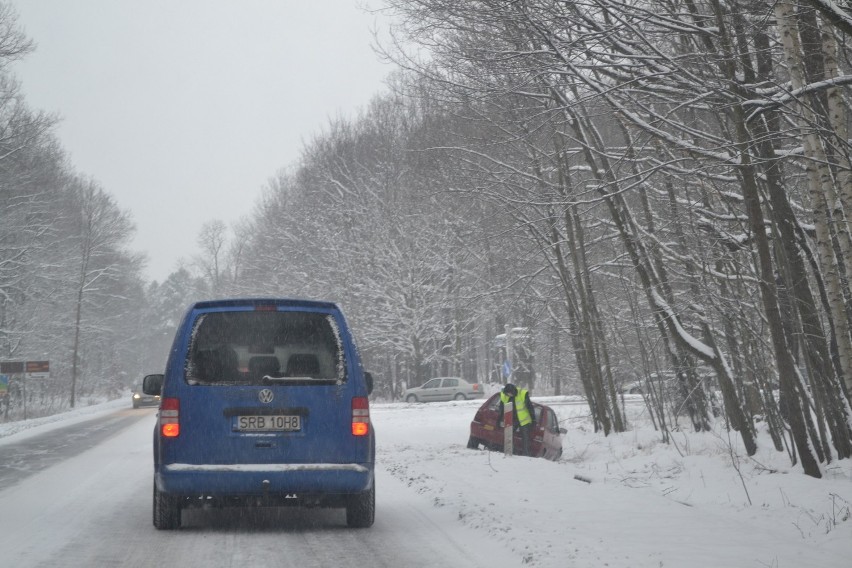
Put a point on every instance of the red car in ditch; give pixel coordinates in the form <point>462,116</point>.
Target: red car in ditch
<point>547,437</point>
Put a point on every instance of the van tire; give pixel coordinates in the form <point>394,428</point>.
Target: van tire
<point>166,511</point>
<point>472,443</point>
<point>361,509</point>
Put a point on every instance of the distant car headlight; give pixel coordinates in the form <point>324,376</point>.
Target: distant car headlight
<point>136,395</point>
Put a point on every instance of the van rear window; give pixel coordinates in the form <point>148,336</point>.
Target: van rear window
<point>265,347</point>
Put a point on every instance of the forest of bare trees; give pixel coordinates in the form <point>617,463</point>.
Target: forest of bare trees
<point>646,192</point>
<point>71,291</point>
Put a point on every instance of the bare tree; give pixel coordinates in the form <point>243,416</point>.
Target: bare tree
<point>100,231</point>
<point>212,262</point>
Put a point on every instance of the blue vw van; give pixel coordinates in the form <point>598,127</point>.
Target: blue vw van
<point>263,403</point>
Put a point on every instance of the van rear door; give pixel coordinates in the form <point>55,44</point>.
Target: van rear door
<point>268,385</point>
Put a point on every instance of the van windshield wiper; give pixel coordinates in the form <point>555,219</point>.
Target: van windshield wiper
<point>268,379</point>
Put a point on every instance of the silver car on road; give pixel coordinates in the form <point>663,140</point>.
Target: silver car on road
<point>443,388</point>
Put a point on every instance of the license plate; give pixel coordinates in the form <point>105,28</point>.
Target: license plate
<point>276,423</point>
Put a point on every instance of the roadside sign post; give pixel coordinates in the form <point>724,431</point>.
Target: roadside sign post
<point>22,370</point>
<point>12,370</point>
<point>508,408</point>
<point>34,370</point>
<point>510,354</point>
<point>4,394</point>
<point>508,427</point>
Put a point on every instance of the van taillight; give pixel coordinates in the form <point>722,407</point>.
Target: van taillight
<point>170,417</point>
<point>360,416</point>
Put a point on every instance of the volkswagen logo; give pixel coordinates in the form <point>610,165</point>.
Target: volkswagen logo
<point>265,396</point>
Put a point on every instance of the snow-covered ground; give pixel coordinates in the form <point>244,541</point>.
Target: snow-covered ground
<point>647,504</point>
<point>17,431</point>
<point>637,502</point>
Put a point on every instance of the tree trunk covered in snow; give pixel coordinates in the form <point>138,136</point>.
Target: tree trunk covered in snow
<point>831,405</point>
<point>820,184</point>
<point>833,13</point>
<point>792,271</point>
<point>818,65</point>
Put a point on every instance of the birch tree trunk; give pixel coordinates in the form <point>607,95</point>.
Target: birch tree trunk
<point>768,291</point>
<point>820,184</point>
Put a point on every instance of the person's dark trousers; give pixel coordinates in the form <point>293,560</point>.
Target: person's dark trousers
<point>526,439</point>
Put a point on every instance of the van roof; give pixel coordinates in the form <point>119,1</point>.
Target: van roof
<point>289,302</point>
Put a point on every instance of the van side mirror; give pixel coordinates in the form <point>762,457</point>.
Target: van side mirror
<point>368,377</point>
<point>152,384</point>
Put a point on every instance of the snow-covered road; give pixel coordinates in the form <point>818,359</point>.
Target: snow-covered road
<point>648,504</point>
<point>94,509</point>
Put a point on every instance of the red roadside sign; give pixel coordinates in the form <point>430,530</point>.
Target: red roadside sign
<point>37,369</point>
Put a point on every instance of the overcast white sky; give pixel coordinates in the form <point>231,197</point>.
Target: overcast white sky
<point>184,109</point>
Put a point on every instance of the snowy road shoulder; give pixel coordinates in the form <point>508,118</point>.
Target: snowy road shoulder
<point>11,432</point>
<point>645,506</point>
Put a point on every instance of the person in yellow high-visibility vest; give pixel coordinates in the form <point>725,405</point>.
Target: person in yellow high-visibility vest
<point>523,414</point>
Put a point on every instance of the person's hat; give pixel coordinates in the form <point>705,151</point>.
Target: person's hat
<point>510,389</point>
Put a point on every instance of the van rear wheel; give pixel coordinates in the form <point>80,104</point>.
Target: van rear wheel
<point>166,511</point>
<point>361,509</point>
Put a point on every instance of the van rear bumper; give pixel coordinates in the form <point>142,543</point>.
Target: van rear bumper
<point>239,480</point>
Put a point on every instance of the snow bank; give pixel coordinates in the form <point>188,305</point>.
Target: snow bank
<point>646,503</point>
